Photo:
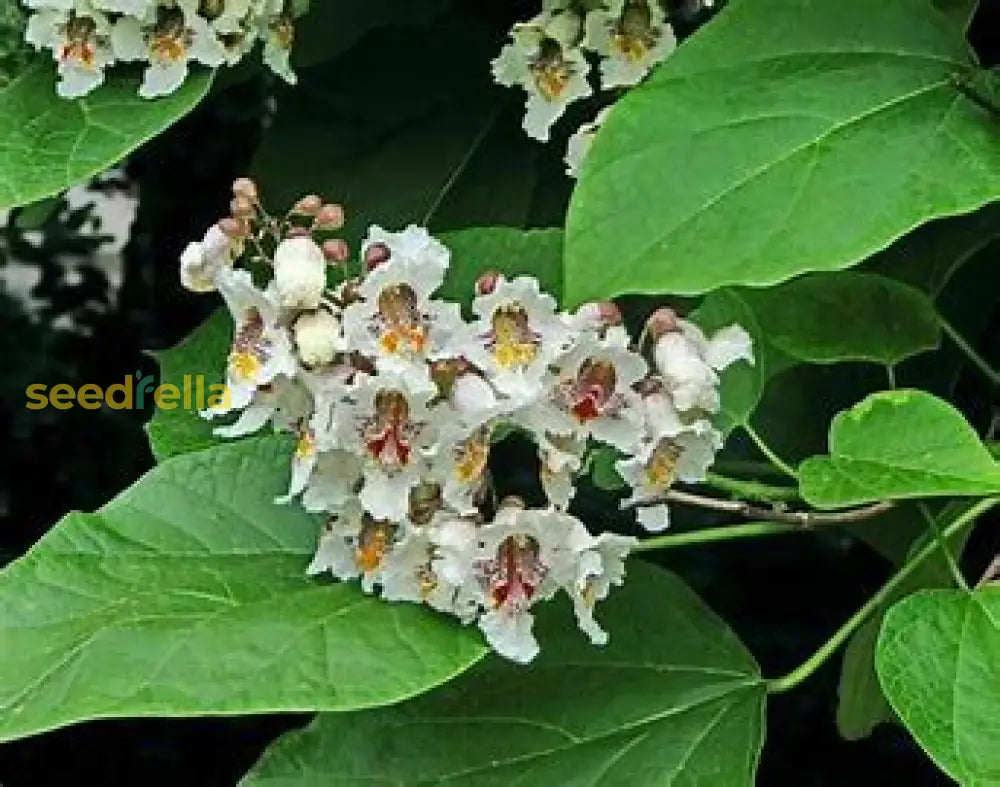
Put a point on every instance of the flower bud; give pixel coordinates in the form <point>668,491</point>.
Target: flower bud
<point>487,282</point>
<point>375,255</point>
<point>662,321</point>
<point>241,208</point>
<point>299,273</point>
<point>336,251</point>
<point>234,228</point>
<point>309,205</point>
<point>246,188</point>
<point>329,217</point>
<point>317,337</point>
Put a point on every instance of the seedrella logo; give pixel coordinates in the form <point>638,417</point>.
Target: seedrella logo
<point>136,392</point>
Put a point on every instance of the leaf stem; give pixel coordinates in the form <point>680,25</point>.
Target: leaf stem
<point>711,534</point>
<point>765,449</point>
<point>949,558</point>
<point>817,659</point>
<point>751,490</point>
<point>974,357</point>
<point>802,519</point>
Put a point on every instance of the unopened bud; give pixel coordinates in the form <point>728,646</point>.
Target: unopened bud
<point>241,208</point>
<point>234,228</point>
<point>330,217</point>
<point>375,255</point>
<point>662,321</point>
<point>610,313</point>
<point>487,282</point>
<point>246,188</point>
<point>309,205</point>
<point>336,251</point>
<point>298,232</point>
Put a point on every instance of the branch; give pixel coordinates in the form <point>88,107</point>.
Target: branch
<point>804,519</point>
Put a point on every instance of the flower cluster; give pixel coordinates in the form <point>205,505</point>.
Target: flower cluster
<point>396,400</point>
<point>87,36</point>
<point>547,55</point>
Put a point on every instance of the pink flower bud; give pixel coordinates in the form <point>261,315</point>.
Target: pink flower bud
<point>662,321</point>
<point>246,188</point>
<point>330,217</point>
<point>336,251</point>
<point>375,255</point>
<point>234,228</point>
<point>309,205</point>
<point>241,208</point>
<point>487,282</point>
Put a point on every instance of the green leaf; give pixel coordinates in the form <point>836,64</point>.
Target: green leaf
<point>510,251</point>
<point>603,473</point>
<point>782,138</point>
<point>896,445</point>
<point>938,659</point>
<point>49,143</point>
<point>861,704</point>
<point>675,699</point>
<point>186,596</point>
<point>202,354</point>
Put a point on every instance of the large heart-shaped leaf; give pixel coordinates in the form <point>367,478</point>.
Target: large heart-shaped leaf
<point>938,660</point>
<point>784,137</point>
<point>674,698</point>
<point>48,143</point>
<point>187,596</point>
<point>899,444</point>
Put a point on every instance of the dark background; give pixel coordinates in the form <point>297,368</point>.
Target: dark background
<point>783,596</point>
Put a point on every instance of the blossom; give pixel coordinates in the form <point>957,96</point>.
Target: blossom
<point>673,450</point>
<point>283,402</point>
<point>599,567</point>
<point>299,273</point>
<point>517,335</point>
<point>202,261</point>
<point>689,362</point>
<point>544,59</point>
<point>354,544</point>
<point>318,337</point>
<point>169,42</point>
<point>278,32</point>
<point>631,36</point>
<point>80,39</point>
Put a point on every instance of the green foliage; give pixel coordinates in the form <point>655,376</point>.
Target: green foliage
<point>896,445</point>
<point>679,702</point>
<point>938,660</point>
<point>201,354</point>
<point>783,138</point>
<point>186,596</point>
<point>50,144</point>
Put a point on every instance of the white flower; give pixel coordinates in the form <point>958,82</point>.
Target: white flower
<point>352,545</point>
<point>299,273</point>
<point>459,465</point>
<point>397,323</point>
<point>261,349</point>
<point>523,556</point>
<point>673,451</point>
<point>334,479</point>
<point>592,390</point>
<point>279,35</point>
<point>560,459</point>
<point>543,58</point>
<point>318,337</point>
<point>580,142</point>
<point>413,571</point>
<point>600,566</point>
<point>283,402</point>
<point>631,36</point>
<point>689,363</point>
<point>203,261</point>
<point>389,425</point>
<point>516,337</point>
<point>169,42</point>
<point>80,39</point>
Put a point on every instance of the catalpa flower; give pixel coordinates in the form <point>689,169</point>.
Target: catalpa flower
<point>689,362</point>
<point>261,349</point>
<point>397,323</point>
<point>354,544</point>
<point>169,42</point>
<point>672,451</point>
<point>544,59</point>
<point>80,39</point>
<point>518,334</point>
<point>599,567</point>
<point>388,424</point>
<point>203,261</point>
<point>631,36</point>
<point>580,142</point>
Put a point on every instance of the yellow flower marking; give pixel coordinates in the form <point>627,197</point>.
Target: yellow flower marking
<point>244,366</point>
<point>514,344</point>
